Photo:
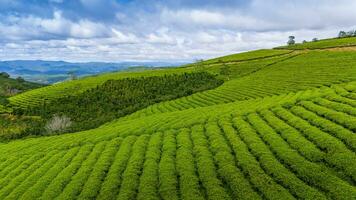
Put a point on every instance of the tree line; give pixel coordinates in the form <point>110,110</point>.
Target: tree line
<point>343,34</point>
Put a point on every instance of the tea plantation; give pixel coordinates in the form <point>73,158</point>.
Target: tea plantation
<point>282,126</point>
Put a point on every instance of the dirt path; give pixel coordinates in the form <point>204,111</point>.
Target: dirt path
<point>349,48</point>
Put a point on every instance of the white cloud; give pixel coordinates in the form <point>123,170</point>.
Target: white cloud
<point>197,18</point>
<point>120,37</point>
<point>171,33</point>
<point>57,26</point>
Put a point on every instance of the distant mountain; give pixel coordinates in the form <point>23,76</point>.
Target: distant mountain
<point>54,71</point>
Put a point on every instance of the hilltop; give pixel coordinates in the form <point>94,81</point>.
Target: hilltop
<point>281,126</point>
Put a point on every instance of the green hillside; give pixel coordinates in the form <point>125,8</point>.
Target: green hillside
<point>323,44</point>
<point>274,76</point>
<point>247,56</point>
<point>118,98</point>
<point>10,87</point>
<point>36,97</point>
<point>299,145</point>
<point>281,126</point>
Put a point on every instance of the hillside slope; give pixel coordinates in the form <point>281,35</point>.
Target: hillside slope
<point>300,145</point>
<point>10,87</point>
<point>274,76</point>
<point>36,97</point>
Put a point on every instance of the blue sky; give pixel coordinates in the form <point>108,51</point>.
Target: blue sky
<point>164,30</point>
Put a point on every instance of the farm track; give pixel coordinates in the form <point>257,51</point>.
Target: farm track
<point>296,149</point>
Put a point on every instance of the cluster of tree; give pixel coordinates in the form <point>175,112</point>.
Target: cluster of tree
<point>343,34</point>
<point>225,70</point>
<point>199,65</point>
<point>4,75</point>
<point>117,98</point>
<point>10,86</point>
<point>3,100</point>
<point>14,127</point>
<point>291,40</point>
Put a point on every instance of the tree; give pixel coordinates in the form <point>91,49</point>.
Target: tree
<point>8,88</point>
<point>72,75</point>
<point>291,40</point>
<point>5,75</point>
<point>342,34</point>
<point>20,79</point>
<point>350,34</point>
<point>304,41</point>
<point>225,71</point>
<point>315,39</point>
<point>58,124</point>
<point>199,65</point>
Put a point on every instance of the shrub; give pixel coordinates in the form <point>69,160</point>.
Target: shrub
<point>20,79</point>
<point>58,124</point>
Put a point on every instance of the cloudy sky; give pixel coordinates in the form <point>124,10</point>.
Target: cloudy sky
<point>161,30</point>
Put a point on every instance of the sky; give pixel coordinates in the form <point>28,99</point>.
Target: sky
<point>161,30</point>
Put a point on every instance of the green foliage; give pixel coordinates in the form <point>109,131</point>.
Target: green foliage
<point>37,97</point>
<point>225,70</point>
<point>168,187</point>
<point>10,87</point>
<point>13,127</point>
<point>117,98</point>
<point>188,179</point>
<point>7,84</point>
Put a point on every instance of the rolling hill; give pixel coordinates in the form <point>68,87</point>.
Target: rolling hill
<point>10,87</point>
<point>282,126</point>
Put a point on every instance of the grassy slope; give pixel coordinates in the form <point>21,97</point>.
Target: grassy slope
<point>251,55</point>
<point>322,44</point>
<point>22,86</point>
<point>294,145</point>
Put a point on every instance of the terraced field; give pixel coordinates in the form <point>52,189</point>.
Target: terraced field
<point>270,77</point>
<point>247,56</point>
<point>293,146</point>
